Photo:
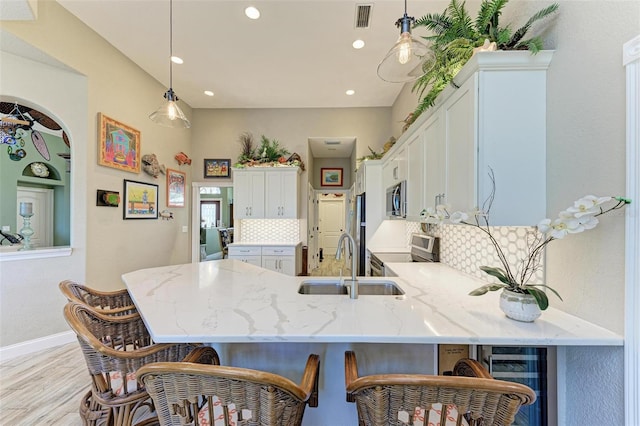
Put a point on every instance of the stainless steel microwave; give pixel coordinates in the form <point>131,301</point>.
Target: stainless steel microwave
<point>396,200</point>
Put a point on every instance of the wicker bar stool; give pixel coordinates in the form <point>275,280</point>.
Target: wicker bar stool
<point>415,399</point>
<point>189,393</point>
<point>115,347</point>
<point>108,303</point>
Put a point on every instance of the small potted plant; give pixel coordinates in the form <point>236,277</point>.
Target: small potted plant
<point>514,280</point>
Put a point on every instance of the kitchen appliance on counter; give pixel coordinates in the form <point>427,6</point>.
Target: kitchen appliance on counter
<point>424,248</point>
<point>396,200</point>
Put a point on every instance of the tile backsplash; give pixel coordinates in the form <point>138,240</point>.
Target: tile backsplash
<point>270,230</point>
<point>466,248</point>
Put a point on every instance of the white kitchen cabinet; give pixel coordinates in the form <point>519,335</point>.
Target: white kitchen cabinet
<point>492,117</point>
<point>249,195</point>
<point>270,193</point>
<point>283,259</point>
<point>250,253</point>
<point>434,161</point>
<point>496,121</point>
<point>282,194</point>
<point>394,168</point>
<point>415,174</point>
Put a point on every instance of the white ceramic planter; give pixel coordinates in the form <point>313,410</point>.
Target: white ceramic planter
<point>520,307</point>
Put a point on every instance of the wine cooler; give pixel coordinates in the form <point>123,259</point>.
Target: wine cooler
<point>526,365</point>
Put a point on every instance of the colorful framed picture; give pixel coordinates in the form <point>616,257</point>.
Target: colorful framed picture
<point>217,168</point>
<point>119,145</point>
<point>140,200</point>
<point>176,182</point>
<point>330,177</point>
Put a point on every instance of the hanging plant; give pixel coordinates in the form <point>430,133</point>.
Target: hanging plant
<point>456,35</point>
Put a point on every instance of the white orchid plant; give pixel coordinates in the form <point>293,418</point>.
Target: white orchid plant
<point>581,216</point>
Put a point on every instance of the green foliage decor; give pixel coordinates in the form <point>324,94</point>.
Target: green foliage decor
<point>456,34</point>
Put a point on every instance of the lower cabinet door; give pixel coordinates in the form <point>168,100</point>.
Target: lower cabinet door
<point>283,264</point>
<point>254,260</point>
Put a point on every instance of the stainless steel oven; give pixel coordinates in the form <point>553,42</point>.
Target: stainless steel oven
<point>424,248</point>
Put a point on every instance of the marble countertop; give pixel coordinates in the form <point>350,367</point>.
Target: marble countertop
<point>231,301</point>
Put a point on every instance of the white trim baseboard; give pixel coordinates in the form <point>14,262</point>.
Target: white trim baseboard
<point>631,61</point>
<point>30,346</point>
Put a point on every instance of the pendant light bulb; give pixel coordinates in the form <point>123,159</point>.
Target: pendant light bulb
<point>404,49</point>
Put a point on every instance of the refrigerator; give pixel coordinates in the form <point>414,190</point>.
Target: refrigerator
<point>525,365</point>
<point>360,231</point>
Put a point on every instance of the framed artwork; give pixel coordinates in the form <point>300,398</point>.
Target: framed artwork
<point>140,200</point>
<point>176,182</point>
<point>331,177</point>
<point>119,145</point>
<point>217,168</point>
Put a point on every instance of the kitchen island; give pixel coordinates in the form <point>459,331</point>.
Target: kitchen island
<point>256,318</point>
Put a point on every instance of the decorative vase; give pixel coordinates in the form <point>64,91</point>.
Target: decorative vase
<point>520,307</point>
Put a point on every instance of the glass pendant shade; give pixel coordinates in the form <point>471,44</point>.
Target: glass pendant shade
<point>169,114</point>
<point>404,62</point>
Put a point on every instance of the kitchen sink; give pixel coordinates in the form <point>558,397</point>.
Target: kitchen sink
<point>366,287</point>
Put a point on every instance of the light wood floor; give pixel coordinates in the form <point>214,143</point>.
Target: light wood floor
<point>46,388</point>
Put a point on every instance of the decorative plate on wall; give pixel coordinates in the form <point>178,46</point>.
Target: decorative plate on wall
<point>40,169</point>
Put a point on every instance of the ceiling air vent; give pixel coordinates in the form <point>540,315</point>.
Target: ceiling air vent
<point>363,15</point>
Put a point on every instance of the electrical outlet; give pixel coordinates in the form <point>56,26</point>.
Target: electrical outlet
<point>6,228</point>
<point>185,229</point>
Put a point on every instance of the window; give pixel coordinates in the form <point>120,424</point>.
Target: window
<point>209,213</point>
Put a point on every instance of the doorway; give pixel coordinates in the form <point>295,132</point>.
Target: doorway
<point>211,212</point>
<point>42,219</point>
<point>331,222</point>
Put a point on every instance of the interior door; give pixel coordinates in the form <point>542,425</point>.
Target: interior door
<point>42,219</point>
<point>332,224</point>
<point>312,229</point>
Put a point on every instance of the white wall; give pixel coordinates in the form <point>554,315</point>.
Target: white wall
<point>30,302</point>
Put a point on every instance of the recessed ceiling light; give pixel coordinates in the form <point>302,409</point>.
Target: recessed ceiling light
<point>358,44</point>
<point>252,12</point>
<point>176,60</point>
<point>350,92</point>
<point>208,92</point>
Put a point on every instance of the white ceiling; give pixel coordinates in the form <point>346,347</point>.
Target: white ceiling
<point>298,54</point>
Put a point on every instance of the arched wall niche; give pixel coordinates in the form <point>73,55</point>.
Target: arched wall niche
<point>36,157</point>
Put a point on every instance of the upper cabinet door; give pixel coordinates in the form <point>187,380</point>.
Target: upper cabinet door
<point>282,194</point>
<point>248,191</point>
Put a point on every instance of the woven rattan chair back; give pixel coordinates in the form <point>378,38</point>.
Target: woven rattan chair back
<point>190,393</point>
<point>414,399</point>
<point>108,303</point>
<point>114,348</point>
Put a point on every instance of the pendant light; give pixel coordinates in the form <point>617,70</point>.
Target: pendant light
<point>169,114</point>
<point>404,61</point>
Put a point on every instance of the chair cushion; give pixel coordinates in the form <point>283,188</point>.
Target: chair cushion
<point>432,418</point>
<point>117,384</point>
<point>218,414</point>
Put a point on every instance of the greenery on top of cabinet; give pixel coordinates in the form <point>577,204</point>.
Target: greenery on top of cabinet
<point>457,37</point>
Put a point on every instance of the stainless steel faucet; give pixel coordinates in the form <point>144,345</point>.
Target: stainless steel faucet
<point>354,282</point>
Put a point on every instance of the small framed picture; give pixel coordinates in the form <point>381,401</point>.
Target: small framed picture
<point>176,182</point>
<point>119,145</point>
<point>140,200</point>
<point>331,177</point>
<point>217,168</point>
